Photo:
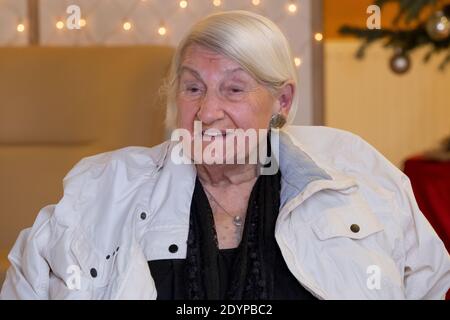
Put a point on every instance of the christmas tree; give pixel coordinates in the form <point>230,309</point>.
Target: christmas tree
<point>417,23</point>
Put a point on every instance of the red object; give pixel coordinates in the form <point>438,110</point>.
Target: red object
<point>430,181</point>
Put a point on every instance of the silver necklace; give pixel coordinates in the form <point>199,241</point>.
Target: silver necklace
<point>237,220</point>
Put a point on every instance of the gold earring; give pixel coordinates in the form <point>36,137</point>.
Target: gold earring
<point>277,121</point>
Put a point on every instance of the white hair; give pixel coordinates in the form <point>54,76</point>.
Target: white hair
<point>251,40</point>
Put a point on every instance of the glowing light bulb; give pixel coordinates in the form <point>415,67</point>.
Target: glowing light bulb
<point>297,61</point>
<point>59,25</point>
<point>318,36</point>
<point>217,3</point>
<point>127,26</point>
<point>292,8</point>
<point>256,2</point>
<point>162,30</point>
<point>20,27</point>
<point>183,4</point>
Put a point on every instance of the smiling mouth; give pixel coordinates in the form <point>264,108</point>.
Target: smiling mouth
<point>215,133</point>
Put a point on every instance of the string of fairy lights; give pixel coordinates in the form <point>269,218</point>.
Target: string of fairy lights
<point>162,30</point>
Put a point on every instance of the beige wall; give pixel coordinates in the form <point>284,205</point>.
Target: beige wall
<point>59,105</point>
<point>104,20</point>
<point>399,115</point>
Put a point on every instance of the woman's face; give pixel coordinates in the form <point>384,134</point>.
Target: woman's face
<point>217,92</point>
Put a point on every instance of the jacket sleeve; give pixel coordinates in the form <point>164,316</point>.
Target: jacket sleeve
<point>427,263</point>
<point>28,275</point>
<point>426,260</point>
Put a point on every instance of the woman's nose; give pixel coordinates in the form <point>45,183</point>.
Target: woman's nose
<point>210,109</point>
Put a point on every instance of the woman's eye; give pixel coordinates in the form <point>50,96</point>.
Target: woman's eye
<point>236,90</point>
<point>193,90</point>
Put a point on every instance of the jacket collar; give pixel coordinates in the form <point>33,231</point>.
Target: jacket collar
<point>297,168</point>
<point>302,173</point>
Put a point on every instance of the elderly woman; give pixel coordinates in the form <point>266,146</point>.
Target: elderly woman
<point>333,220</point>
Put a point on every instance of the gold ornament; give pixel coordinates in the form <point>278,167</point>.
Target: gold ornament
<point>400,62</point>
<point>277,121</point>
<point>438,26</point>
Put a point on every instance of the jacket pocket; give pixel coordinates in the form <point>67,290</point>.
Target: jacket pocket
<point>355,221</point>
<point>95,266</point>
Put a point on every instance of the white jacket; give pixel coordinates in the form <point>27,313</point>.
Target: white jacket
<point>123,208</point>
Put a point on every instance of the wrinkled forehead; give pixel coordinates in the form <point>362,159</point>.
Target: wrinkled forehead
<point>206,64</point>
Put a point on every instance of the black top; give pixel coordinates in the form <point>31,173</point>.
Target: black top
<point>255,270</point>
<point>169,274</point>
<point>170,284</point>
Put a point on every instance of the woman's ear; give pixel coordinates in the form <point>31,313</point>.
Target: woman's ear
<point>284,99</point>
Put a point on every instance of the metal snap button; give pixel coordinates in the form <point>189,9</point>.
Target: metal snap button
<point>354,228</point>
<point>93,273</point>
<point>143,215</point>
<point>173,248</point>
